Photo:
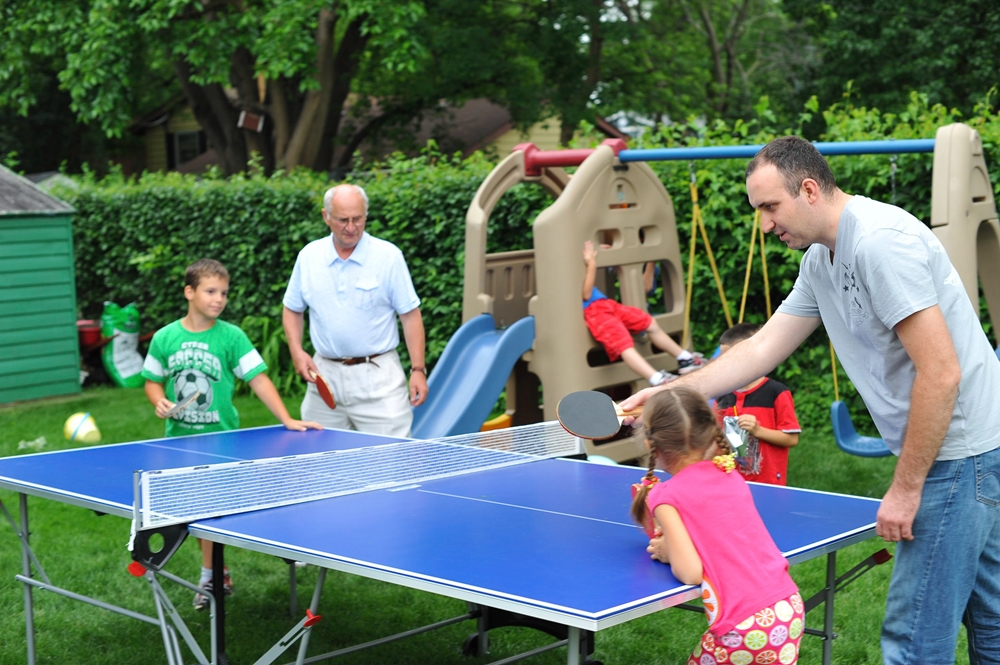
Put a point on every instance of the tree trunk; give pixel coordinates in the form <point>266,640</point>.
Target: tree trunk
<point>568,125</point>
<point>345,66</point>
<point>719,89</point>
<point>217,118</point>
<point>280,118</point>
<point>567,128</point>
<point>244,79</point>
<point>309,127</point>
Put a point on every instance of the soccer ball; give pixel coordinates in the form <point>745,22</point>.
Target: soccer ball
<point>187,382</point>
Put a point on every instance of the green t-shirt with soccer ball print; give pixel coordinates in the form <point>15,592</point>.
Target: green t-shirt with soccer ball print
<point>208,362</point>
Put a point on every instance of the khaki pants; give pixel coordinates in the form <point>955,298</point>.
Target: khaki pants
<point>370,399</point>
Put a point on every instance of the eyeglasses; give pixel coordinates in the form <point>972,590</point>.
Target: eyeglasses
<point>357,220</point>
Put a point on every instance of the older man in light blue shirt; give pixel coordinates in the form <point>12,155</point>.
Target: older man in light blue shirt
<point>354,286</point>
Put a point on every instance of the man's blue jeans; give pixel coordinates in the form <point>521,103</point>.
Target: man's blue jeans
<point>950,571</point>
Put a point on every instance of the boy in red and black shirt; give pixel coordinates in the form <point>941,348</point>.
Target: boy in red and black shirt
<point>766,411</point>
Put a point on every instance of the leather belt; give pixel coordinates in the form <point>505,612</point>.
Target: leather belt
<point>357,361</point>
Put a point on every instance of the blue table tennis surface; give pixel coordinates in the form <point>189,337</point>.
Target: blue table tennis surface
<point>550,538</point>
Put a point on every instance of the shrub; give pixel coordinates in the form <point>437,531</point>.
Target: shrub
<point>133,238</point>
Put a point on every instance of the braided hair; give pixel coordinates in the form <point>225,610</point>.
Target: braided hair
<point>678,424</point>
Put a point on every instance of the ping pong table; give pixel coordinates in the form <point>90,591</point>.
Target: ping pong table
<point>546,544</point>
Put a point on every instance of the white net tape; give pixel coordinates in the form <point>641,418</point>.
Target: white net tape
<point>177,496</point>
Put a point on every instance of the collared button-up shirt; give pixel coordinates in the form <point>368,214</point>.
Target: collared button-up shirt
<point>352,303</point>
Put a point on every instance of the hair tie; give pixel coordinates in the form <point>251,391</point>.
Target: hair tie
<point>725,462</point>
<point>648,482</point>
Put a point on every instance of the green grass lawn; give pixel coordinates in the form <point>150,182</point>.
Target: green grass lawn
<point>86,553</point>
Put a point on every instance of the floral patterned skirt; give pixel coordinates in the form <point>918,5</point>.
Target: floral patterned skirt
<point>771,635</point>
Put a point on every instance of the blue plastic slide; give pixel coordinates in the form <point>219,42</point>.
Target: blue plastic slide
<point>470,375</point>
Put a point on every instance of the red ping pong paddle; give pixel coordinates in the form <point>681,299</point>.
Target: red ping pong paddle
<point>592,415</point>
<point>324,389</point>
<point>183,404</point>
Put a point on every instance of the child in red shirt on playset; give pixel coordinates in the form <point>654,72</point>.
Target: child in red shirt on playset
<point>765,411</point>
<point>613,324</point>
<point>706,527</point>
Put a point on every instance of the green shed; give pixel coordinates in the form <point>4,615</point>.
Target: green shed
<point>39,344</point>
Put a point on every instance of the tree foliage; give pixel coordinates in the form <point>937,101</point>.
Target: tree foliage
<point>329,73</point>
<point>294,61</point>
<point>880,50</point>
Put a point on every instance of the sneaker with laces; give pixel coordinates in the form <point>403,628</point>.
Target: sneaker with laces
<point>688,365</point>
<point>661,377</point>
<point>201,599</point>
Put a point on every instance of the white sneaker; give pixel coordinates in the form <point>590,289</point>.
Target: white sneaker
<point>696,361</point>
<point>661,377</point>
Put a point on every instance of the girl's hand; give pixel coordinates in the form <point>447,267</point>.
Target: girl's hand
<point>658,548</point>
<point>748,423</point>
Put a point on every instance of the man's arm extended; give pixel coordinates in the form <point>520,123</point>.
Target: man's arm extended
<point>744,363</point>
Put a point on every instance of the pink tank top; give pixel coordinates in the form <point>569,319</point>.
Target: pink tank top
<point>744,571</point>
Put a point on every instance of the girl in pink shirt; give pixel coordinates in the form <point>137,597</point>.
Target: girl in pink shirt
<point>707,529</point>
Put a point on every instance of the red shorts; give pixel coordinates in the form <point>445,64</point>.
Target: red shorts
<point>613,324</point>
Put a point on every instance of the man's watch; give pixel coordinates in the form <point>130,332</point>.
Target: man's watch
<point>422,370</point>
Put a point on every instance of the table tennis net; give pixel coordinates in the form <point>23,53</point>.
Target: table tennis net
<point>184,495</point>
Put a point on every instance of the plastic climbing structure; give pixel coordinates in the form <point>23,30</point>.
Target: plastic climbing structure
<point>615,198</point>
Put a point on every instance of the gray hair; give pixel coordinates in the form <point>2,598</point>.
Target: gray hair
<point>332,192</point>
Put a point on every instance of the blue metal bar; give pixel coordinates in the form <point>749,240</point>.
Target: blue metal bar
<point>891,147</point>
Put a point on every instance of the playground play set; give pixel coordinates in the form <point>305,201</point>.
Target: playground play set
<point>523,326</point>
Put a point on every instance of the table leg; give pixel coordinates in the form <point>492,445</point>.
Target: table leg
<point>314,608</point>
<point>293,592</point>
<point>29,602</point>
<point>218,575</point>
<point>831,589</point>
<point>573,646</point>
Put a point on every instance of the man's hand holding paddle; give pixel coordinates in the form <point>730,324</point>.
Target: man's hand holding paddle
<point>323,388</point>
<point>306,368</point>
<point>636,402</point>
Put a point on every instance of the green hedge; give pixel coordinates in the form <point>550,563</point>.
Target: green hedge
<point>134,237</point>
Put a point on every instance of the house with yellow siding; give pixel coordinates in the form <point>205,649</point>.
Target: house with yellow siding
<point>174,141</point>
<point>172,136</point>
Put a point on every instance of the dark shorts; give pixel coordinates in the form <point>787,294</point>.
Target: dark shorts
<point>613,324</point>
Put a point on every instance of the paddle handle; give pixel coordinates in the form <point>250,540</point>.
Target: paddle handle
<point>637,411</point>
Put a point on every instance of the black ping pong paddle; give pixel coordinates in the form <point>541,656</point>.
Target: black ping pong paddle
<point>592,415</point>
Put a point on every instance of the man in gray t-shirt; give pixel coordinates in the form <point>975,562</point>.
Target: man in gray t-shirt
<point>911,341</point>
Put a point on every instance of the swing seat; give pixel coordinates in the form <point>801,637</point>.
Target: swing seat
<point>848,438</point>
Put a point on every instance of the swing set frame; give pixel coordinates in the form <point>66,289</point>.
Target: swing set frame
<point>845,434</point>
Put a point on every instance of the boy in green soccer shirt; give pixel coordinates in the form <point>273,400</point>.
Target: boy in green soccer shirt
<point>200,353</point>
